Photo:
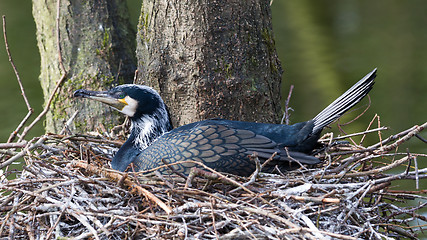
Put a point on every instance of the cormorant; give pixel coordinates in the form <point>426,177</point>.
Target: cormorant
<point>223,145</point>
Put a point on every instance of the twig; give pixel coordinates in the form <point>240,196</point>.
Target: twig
<point>421,138</point>
<point>316,199</point>
<point>254,175</point>
<point>305,219</point>
<point>409,135</point>
<point>85,138</point>
<point>410,160</point>
<point>45,110</point>
<point>356,204</point>
<point>417,184</point>
<point>368,173</point>
<point>23,152</point>
<point>334,235</point>
<point>369,126</point>
<point>212,200</point>
<point>13,145</point>
<point>118,177</point>
<point>286,116</point>
<point>269,160</point>
<point>356,134</point>
<point>173,170</point>
<point>194,172</point>
<point>402,176</point>
<point>18,78</point>
<point>69,122</point>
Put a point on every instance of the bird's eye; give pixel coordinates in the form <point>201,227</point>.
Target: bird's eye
<point>121,95</point>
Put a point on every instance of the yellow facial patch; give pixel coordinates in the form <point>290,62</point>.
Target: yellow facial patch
<point>123,100</point>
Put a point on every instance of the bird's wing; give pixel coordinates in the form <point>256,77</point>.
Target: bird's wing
<point>218,146</point>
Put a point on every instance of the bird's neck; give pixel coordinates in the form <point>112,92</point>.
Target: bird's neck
<point>144,131</point>
<point>148,128</point>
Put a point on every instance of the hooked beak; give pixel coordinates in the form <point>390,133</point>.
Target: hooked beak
<point>101,96</point>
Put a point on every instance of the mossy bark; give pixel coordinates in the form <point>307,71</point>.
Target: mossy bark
<point>97,46</point>
<point>211,59</point>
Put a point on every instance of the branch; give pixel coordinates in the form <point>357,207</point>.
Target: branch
<point>285,117</point>
<point>120,177</point>
<point>46,108</point>
<point>30,110</point>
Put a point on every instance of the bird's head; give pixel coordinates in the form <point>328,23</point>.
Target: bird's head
<point>132,100</point>
<point>148,113</point>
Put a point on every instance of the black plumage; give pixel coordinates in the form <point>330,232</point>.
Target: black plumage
<point>223,145</point>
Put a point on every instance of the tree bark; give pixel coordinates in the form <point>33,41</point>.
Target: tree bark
<point>97,46</point>
<point>211,59</point>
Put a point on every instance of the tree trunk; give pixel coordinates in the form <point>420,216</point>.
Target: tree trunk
<point>211,59</point>
<point>97,46</point>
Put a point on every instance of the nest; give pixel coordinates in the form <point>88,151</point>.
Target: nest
<point>66,190</point>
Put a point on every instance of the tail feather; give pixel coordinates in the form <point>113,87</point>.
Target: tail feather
<point>346,101</point>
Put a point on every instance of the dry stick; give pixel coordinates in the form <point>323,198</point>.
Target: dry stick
<point>356,204</point>
<point>354,119</point>
<point>253,157</point>
<point>68,123</point>
<point>369,126</point>
<point>424,191</point>
<point>129,183</point>
<point>255,210</point>
<point>262,212</point>
<point>355,134</point>
<point>402,176</point>
<point>417,185</point>
<point>305,219</point>
<point>23,152</point>
<point>12,220</point>
<point>285,117</point>
<point>301,229</point>
<point>219,176</point>
<point>412,133</point>
<point>404,136</point>
<point>85,138</point>
<point>83,220</point>
<point>15,207</point>
<point>13,65</point>
<point>361,114</point>
<point>224,178</point>
<point>13,145</point>
<point>46,108</point>
<point>30,110</point>
<point>213,217</point>
<point>30,232</point>
<point>421,138</point>
<point>50,231</point>
<point>174,171</point>
<point>410,160</point>
<point>367,173</point>
<point>315,199</point>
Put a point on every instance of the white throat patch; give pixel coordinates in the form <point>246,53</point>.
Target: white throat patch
<point>131,106</point>
<point>149,127</point>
